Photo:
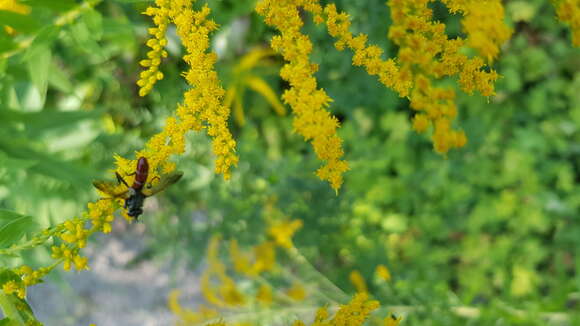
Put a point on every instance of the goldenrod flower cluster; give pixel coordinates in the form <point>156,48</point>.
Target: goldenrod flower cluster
<point>202,107</point>
<point>308,102</point>
<point>425,54</point>
<point>220,290</point>
<point>355,313</point>
<point>149,77</point>
<point>483,23</point>
<point>569,11</point>
<point>28,277</point>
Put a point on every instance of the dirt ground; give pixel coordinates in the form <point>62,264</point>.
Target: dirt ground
<point>113,292</point>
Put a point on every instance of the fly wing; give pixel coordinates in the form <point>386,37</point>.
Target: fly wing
<point>164,182</point>
<point>111,189</point>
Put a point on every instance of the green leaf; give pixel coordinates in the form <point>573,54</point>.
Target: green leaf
<point>48,165</point>
<point>17,309</point>
<point>14,226</point>
<point>94,22</point>
<point>47,119</point>
<point>38,58</point>
<point>47,35</point>
<point>21,23</point>
<point>58,6</point>
<point>12,165</point>
<point>6,43</point>
<point>7,275</point>
<point>8,322</point>
<point>58,79</point>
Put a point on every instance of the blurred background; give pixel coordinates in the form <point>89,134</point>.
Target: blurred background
<point>494,226</point>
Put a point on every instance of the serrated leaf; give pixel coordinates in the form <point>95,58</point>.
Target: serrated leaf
<point>21,23</point>
<point>13,227</point>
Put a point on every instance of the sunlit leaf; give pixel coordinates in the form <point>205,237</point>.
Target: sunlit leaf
<point>13,227</point>
<point>260,86</point>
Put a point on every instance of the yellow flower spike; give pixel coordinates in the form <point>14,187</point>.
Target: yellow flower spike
<point>265,295</point>
<point>358,281</point>
<point>24,269</point>
<point>11,287</point>
<point>282,232</point>
<point>67,265</point>
<point>392,320</point>
<point>265,257</point>
<point>208,291</point>
<point>420,123</point>
<point>308,102</point>
<point>240,261</point>
<point>232,296</point>
<point>356,311</point>
<point>81,262</point>
<point>149,77</point>
<point>296,292</point>
<point>383,273</point>
<point>568,11</point>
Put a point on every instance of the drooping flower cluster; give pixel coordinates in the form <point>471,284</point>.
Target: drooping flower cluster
<point>425,54</point>
<point>483,23</point>
<point>569,11</point>
<point>308,102</point>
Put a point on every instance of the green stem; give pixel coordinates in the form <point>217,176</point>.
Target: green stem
<point>9,310</point>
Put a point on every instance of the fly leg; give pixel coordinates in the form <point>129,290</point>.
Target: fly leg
<point>150,184</point>
<point>121,180</point>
